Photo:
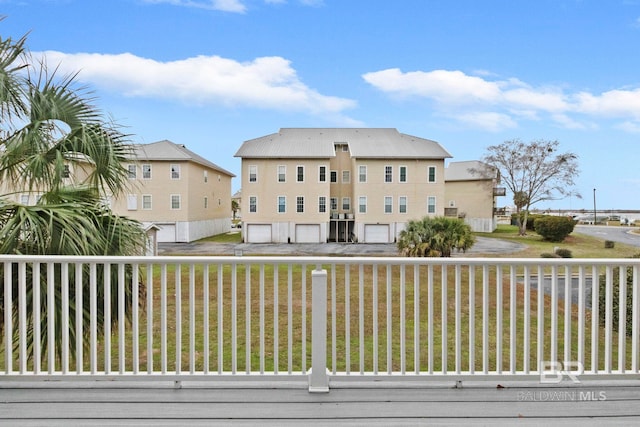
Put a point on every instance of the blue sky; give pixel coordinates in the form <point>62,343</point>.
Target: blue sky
<point>211,74</point>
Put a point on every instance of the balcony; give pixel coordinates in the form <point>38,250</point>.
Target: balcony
<point>252,326</point>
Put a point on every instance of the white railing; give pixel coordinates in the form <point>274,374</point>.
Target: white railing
<point>274,318</point>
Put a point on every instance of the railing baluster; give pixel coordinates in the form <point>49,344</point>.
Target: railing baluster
<point>608,322</point>
<point>416,319</point>
<point>22,317</point>
<point>192,318</point>
<point>334,332</point>
<point>79,314</point>
<point>389,322</point>
<point>276,323</point>
<point>64,317</point>
<point>51,318</point>
<point>622,318</point>
<point>540,320</point>
<point>499,308</point>
<point>485,319</point>
<point>234,318</point>
<point>554,314</point>
<point>458,317</point>
<point>206,312</point>
<point>526,311</point>
<point>93,313</point>
<point>149,313</point>
<point>430,316</point>
<point>135,328</point>
<point>262,348</point>
<point>304,320</point>
<point>220,308</point>
<point>178,309</point>
<point>163,318</point>
<point>567,315</point>
<point>443,318</point>
<point>513,287</point>
<point>472,319</point>
<point>121,319</point>
<point>37,307</point>
<point>595,319</point>
<point>581,310</point>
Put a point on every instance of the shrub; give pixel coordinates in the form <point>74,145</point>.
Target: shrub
<point>564,253</point>
<point>609,244</point>
<point>554,228</point>
<point>548,255</point>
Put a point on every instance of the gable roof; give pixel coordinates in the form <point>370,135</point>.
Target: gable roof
<point>472,170</point>
<point>363,143</point>
<point>169,151</point>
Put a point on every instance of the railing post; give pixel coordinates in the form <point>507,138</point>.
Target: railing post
<point>318,378</point>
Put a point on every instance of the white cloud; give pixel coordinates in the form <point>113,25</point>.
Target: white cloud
<point>489,121</point>
<point>469,97</point>
<point>223,5</point>
<point>267,82</point>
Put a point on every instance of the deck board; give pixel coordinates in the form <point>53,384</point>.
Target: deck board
<point>69,405</point>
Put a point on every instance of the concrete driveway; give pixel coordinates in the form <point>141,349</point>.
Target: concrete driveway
<point>483,245</point>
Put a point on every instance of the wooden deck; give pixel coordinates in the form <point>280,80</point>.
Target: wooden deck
<point>77,403</point>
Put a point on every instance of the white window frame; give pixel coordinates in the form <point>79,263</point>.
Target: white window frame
<point>362,177</point>
<point>174,171</point>
<point>362,204</point>
<point>146,173</point>
<point>332,174</point>
<point>253,204</point>
<point>406,173</point>
<point>346,204</point>
<point>322,170</point>
<point>132,202</point>
<point>388,203</point>
<point>299,204</point>
<point>206,175</point>
<point>431,204</point>
<point>402,203</point>
<point>322,204</point>
<point>282,173</point>
<point>435,176</point>
<point>206,202</point>
<point>333,203</point>
<point>24,199</point>
<point>388,173</point>
<point>145,198</point>
<point>346,176</point>
<point>298,169</point>
<point>282,199</point>
<point>172,198</point>
<point>253,173</point>
<point>132,171</point>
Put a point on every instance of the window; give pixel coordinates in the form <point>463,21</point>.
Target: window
<point>334,203</point>
<point>346,203</point>
<point>146,201</point>
<point>345,148</point>
<point>431,204</point>
<point>431,174</point>
<point>388,201</point>
<point>334,176</point>
<point>146,171</point>
<point>282,173</point>
<point>66,172</point>
<point>300,173</point>
<point>282,204</point>
<point>24,199</point>
<point>175,171</point>
<point>388,174</point>
<point>253,173</point>
<point>132,171</point>
<point>403,174</point>
<point>175,201</point>
<point>362,173</point>
<point>322,173</point>
<point>362,204</point>
<point>402,204</point>
<point>300,204</point>
<point>253,204</point>
<point>322,204</point>
<point>206,202</point>
<point>346,177</point>
<point>132,202</point>
<point>206,176</point>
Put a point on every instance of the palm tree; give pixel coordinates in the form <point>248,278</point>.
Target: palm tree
<point>433,237</point>
<point>56,146</point>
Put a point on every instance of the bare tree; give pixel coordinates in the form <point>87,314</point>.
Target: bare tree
<point>533,172</point>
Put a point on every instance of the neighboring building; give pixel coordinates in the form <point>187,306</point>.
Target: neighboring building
<point>344,184</point>
<point>470,193</point>
<point>237,199</point>
<point>184,195</point>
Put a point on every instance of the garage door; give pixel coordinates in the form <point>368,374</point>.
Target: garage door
<point>376,233</point>
<point>166,233</point>
<point>259,233</point>
<point>307,233</point>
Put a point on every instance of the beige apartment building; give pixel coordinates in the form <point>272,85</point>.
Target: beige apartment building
<point>471,191</point>
<point>338,184</point>
<point>184,195</point>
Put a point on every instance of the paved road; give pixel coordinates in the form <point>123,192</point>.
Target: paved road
<point>618,234</point>
<point>483,245</point>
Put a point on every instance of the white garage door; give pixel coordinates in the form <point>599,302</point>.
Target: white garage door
<point>376,233</point>
<point>307,233</point>
<point>166,233</point>
<point>259,233</point>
